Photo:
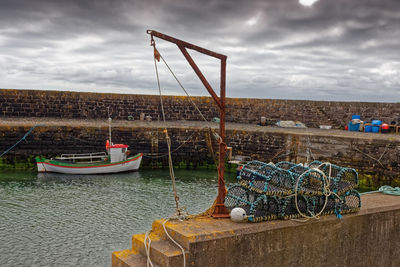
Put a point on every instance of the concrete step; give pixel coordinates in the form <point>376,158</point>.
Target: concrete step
<point>162,252</point>
<point>158,229</point>
<point>129,258</point>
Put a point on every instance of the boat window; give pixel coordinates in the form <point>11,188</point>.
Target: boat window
<point>124,150</point>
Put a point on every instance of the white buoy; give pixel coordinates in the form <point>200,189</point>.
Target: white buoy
<point>238,214</point>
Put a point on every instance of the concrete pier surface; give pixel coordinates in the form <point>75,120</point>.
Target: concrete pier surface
<point>52,122</point>
<point>370,237</point>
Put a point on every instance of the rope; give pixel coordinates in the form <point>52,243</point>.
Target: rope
<point>371,157</point>
<point>385,189</point>
<point>216,135</point>
<point>23,138</point>
<point>163,155</point>
<point>147,240</point>
<point>176,243</point>
<point>171,167</point>
<point>147,243</point>
<point>327,192</point>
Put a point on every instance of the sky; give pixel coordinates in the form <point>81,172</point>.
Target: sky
<point>333,50</point>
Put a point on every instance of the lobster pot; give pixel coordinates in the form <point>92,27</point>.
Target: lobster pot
<point>286,165</point>
<point>288,190</point>
<point>350,202</point>
<point>239,197</point>
<point>315,164</point>
<point>266,179</point>
<point>265,208</point>
<point>348,176</point>
<point>255,175</point>
<point>317,203</point>
<point>298,169</point>
<point>280,183</point>
<point>346,180</point>
<point>256,170</point>
<point>347,203</point>
<point>310,183</point>
<point>288,209</point>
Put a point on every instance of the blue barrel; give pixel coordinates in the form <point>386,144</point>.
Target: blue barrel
<point>376,122</point>
<point>355,117</point>
<point>354,127</point>
<point>375,129</point>
<point>368,128</point>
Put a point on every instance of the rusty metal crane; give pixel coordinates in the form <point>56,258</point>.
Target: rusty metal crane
<point>220,210</point>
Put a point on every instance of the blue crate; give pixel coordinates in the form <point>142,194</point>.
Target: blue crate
<point>354,127</point>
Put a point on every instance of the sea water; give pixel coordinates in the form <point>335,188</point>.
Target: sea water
<point>79,220</point>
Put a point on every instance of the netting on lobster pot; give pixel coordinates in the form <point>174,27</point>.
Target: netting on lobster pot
<point>238,196</point>
<point>251,171</point>
<point>288,209</point>
<point>351,202</point>
<point>312,182</point>
<point>347,179</point>
<point>326,205</point>
<point>281,183</point>
<point>314,164</point>
<point>255,175</point>
<point>265,208</point>
<point>286,165</point>
<point>330,170</point>
<point>298,169</point>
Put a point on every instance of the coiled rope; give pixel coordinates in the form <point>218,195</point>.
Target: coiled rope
<point>385,189</point>
<point>22,139</point>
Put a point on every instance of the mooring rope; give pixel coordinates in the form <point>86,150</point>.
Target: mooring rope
<point>22,139</point>
<point>178,210</point>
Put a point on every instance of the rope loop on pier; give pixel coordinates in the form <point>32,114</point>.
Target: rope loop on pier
<point>386,189</point>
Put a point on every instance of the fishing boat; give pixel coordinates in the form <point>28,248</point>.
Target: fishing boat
<point>115,160</point>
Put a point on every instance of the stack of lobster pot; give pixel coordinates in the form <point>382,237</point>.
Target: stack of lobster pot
<point>286,190</point>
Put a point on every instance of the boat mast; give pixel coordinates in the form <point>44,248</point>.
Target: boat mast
<point>109,125</point>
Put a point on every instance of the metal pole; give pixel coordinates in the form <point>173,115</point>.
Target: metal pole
<point>220,210</point>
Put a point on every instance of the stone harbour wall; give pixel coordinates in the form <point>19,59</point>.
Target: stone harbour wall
<point>61,104</point>
<point>376,159</point>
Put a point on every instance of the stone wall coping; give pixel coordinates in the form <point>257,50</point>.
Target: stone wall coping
<point>332,133</point>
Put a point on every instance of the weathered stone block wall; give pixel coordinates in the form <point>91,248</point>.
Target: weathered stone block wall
<point>59,104</point>
<point>52,141</point>
<point>376,159</point>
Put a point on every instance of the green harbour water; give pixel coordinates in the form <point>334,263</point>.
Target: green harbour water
<point>79,220</point>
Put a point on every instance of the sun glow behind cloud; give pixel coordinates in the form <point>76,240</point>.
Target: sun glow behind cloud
<point>307,2</point>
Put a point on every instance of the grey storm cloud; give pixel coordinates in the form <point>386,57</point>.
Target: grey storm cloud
<point>333,50</point>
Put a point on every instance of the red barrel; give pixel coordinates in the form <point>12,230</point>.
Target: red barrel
<point>385,128</point>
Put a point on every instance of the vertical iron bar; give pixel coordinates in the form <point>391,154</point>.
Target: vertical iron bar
<point>220,210</point>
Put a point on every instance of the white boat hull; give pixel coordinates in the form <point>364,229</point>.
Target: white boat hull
<point>131,164</point>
